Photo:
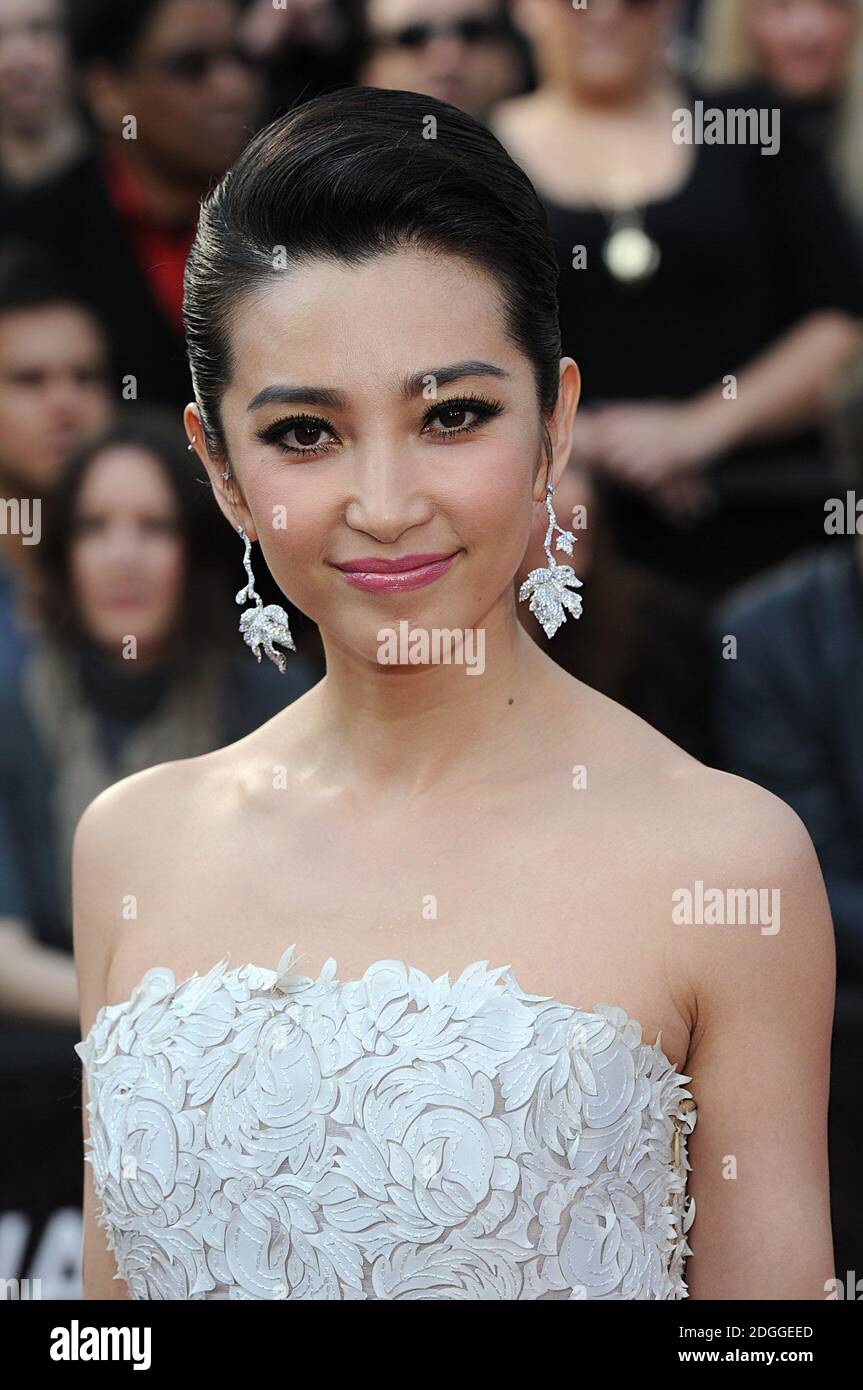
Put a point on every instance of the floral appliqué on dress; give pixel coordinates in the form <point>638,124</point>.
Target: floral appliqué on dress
<point>255,1134</point>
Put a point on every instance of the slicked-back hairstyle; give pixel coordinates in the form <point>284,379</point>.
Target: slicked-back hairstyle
<point>351,175</point>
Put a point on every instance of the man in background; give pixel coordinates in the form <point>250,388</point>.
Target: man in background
<point>174,98</point>
<point>40,130</point>
<point>54,394</point>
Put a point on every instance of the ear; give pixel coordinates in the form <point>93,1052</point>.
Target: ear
<point>560,425</point>
<point>226,492</point>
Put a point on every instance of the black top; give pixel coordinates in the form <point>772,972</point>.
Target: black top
<point>123,698</point>
<point>750,245</point>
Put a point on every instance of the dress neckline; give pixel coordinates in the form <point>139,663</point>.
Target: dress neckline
<point>591,207</point>
<point>498,980</point>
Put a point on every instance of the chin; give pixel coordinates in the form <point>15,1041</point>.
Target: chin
<point>607,85</point>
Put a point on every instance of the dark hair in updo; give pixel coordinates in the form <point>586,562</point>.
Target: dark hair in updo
<point>349,175</point>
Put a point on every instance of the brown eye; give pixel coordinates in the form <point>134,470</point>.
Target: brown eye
<point>307,436</point>
<point>300,435</point>
<point>454,418</point>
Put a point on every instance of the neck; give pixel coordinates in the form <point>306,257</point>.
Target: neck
<point>396,733</point>
<point>167,197</point>
<point>110,659</point>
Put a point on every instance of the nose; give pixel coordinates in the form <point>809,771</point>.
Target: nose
<point>64,399</point>
<point>445,51</point>
<point>120,542</point>
<point>126,550</point>
<point>232,80</point>
<point>384,501</point>
<point>20,50</point>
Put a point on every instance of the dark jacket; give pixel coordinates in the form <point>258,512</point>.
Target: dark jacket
<point>73,218</point>
<point>788,713</point>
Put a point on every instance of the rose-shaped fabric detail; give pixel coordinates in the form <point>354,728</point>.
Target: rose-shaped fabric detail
<point>258,1134</point>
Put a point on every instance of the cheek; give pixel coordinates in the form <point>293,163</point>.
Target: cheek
<point>83,567</point>
<point>767,35</point>
<point>296,515</point>
<point>94,405</point>
<point>495,505</point>
<point>171,115</point>
<point>839,38</point>
<point>167,562</point>
<point>24,414</point>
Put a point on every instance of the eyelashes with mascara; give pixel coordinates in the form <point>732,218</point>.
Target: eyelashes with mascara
<point>480,406</point>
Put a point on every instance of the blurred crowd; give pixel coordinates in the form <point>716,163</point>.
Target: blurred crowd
<point>710,290</point>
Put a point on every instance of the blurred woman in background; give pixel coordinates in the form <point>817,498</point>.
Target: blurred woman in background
<point>461,51</point>
<point>811,52</point>
<point>708,292</point>
<point>41,132</point>
<point>140,663</point>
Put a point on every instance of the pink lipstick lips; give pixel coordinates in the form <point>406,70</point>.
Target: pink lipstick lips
<point>377,576</point>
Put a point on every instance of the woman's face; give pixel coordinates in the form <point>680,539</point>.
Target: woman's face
<point>127,558</point>
<point>804,46</point>
<point>33,63</point>
<point>605,50</point>
<point>381,413</point>
<point>470,72</point>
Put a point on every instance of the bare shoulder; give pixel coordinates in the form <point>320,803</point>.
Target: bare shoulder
<point>721,868</point>
<point>750,915</point>
<point>736,829</point>
<point>705,815</point>
<point>130,813</point>
<point>752,940</point>
<point>714,888</point>
<point>127,843</point>
<point>170,802</point>
<point>763,935</point>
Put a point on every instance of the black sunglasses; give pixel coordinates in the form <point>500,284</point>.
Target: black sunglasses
<point>470,29</point>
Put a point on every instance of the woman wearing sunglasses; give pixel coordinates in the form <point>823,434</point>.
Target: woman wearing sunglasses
<point>461,51</point>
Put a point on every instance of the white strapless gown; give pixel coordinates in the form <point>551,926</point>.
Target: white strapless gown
<point>256,1134</point>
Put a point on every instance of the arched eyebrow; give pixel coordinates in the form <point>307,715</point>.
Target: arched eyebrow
<point>282,394</point>
<point>411,386</point>
<point>415,384</point>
